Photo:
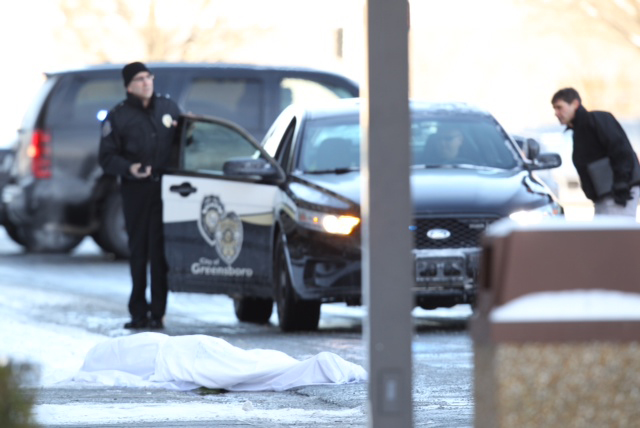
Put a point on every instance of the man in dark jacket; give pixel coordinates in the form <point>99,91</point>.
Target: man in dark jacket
<point>135,145</point>
<point>596,135</point>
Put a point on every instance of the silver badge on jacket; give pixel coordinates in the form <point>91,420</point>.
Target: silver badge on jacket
<point>167,120</point>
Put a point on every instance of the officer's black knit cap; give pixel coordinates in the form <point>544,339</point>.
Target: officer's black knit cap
<point>130,70</point>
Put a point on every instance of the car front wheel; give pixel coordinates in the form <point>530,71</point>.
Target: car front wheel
<point>253,309</point>
<point>294,313</point>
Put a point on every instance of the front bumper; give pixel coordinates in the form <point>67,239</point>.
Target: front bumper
<point>325,267</point>
<point>445,277</point>
<point>329,268</point>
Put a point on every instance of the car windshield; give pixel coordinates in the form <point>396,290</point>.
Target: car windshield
<point>437,141</point>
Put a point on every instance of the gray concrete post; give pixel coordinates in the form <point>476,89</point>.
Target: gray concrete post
<point>387,269</point>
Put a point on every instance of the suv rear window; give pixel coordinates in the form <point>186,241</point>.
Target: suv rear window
<point>78,101</point>
<point>237,100</point>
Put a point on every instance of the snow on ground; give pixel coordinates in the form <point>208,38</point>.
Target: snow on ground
<point>570,305</point>
<point>59,351</point>
<point>130,413</point>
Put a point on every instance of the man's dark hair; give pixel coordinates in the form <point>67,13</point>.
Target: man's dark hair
<point>567,95</point>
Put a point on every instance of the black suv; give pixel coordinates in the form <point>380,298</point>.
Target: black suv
<point>57,193</point>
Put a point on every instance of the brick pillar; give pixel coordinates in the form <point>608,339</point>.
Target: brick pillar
<point>557,327</point>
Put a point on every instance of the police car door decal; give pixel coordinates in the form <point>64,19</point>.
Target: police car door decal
<point>217,233</point>
<point>217,224</point>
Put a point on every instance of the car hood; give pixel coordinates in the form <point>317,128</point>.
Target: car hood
<point>443,190</point>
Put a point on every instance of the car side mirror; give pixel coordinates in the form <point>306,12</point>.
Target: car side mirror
<point>250,167</point>
<point>545,161</point>
<point>530,146</point>
<point>533,148</point>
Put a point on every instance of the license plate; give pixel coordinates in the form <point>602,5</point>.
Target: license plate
<point>440,269</point>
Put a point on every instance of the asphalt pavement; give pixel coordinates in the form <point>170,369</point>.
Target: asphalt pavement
<point>53,308</point>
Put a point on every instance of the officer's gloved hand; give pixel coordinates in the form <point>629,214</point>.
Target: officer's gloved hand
<point>621,193</point>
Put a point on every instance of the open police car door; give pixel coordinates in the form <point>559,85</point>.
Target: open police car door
<point>218,197</point>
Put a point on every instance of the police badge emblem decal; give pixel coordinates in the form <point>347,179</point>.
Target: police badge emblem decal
<point>220,229</point>
<point>229,236</point>
<point>211,211</point>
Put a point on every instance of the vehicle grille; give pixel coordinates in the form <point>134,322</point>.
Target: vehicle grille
<point>465,232</point>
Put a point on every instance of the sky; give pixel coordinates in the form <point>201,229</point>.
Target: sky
<point>27,41</point>
<point>490,53</point>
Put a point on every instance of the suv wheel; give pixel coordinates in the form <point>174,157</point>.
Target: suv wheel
<point>43,240</point>
<point>112,234</point>
<point>13,233</point>
<point>294,313</point>
<point>253,309</point>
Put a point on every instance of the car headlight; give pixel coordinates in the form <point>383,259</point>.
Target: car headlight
<point>536,215</point>
<point>325,222</point>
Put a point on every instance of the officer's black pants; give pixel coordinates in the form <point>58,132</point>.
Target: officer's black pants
<point>142,204</point>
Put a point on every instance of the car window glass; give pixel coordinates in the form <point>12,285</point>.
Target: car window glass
<point>237,100</point>
<point>209,145</point>
<point>334,143</point>
<point>456,141</point>
<point>278,140</point>
<point>283,155</point>
<point>84,102</point>
<point>273,137</point>
<point>330,145</point>
<point>297,90</point>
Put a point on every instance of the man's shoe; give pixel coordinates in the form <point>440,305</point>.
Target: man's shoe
<point>155,324</point>
<point>136,324</point>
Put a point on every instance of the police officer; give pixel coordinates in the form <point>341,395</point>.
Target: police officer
<point>135,144</point>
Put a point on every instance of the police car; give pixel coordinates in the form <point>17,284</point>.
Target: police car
<point>280,221</point>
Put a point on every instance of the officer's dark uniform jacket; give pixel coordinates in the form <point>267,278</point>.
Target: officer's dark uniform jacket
<point>596,135</point>
<point>132,134</point>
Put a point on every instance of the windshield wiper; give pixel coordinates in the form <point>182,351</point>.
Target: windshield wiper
<point>456,166</point>
<point>342,170</point>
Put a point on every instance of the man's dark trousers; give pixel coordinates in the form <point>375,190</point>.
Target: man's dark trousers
<point>142,206</point>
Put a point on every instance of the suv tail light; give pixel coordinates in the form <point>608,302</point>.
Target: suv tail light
<point>40,153</point>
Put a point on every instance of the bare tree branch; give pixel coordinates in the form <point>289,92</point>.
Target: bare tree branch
<point>90,25</point>
<point>621,17</point>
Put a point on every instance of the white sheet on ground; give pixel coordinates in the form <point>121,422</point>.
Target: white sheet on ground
<point>188,362</point>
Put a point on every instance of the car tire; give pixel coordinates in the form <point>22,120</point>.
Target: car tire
<point>111,235</point>
<point>43,240</point>
<point>253,309</point>
<point>13,233</point>
<point>294,314</point>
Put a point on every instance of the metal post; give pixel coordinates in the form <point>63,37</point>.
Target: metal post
<point>386,214</point>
